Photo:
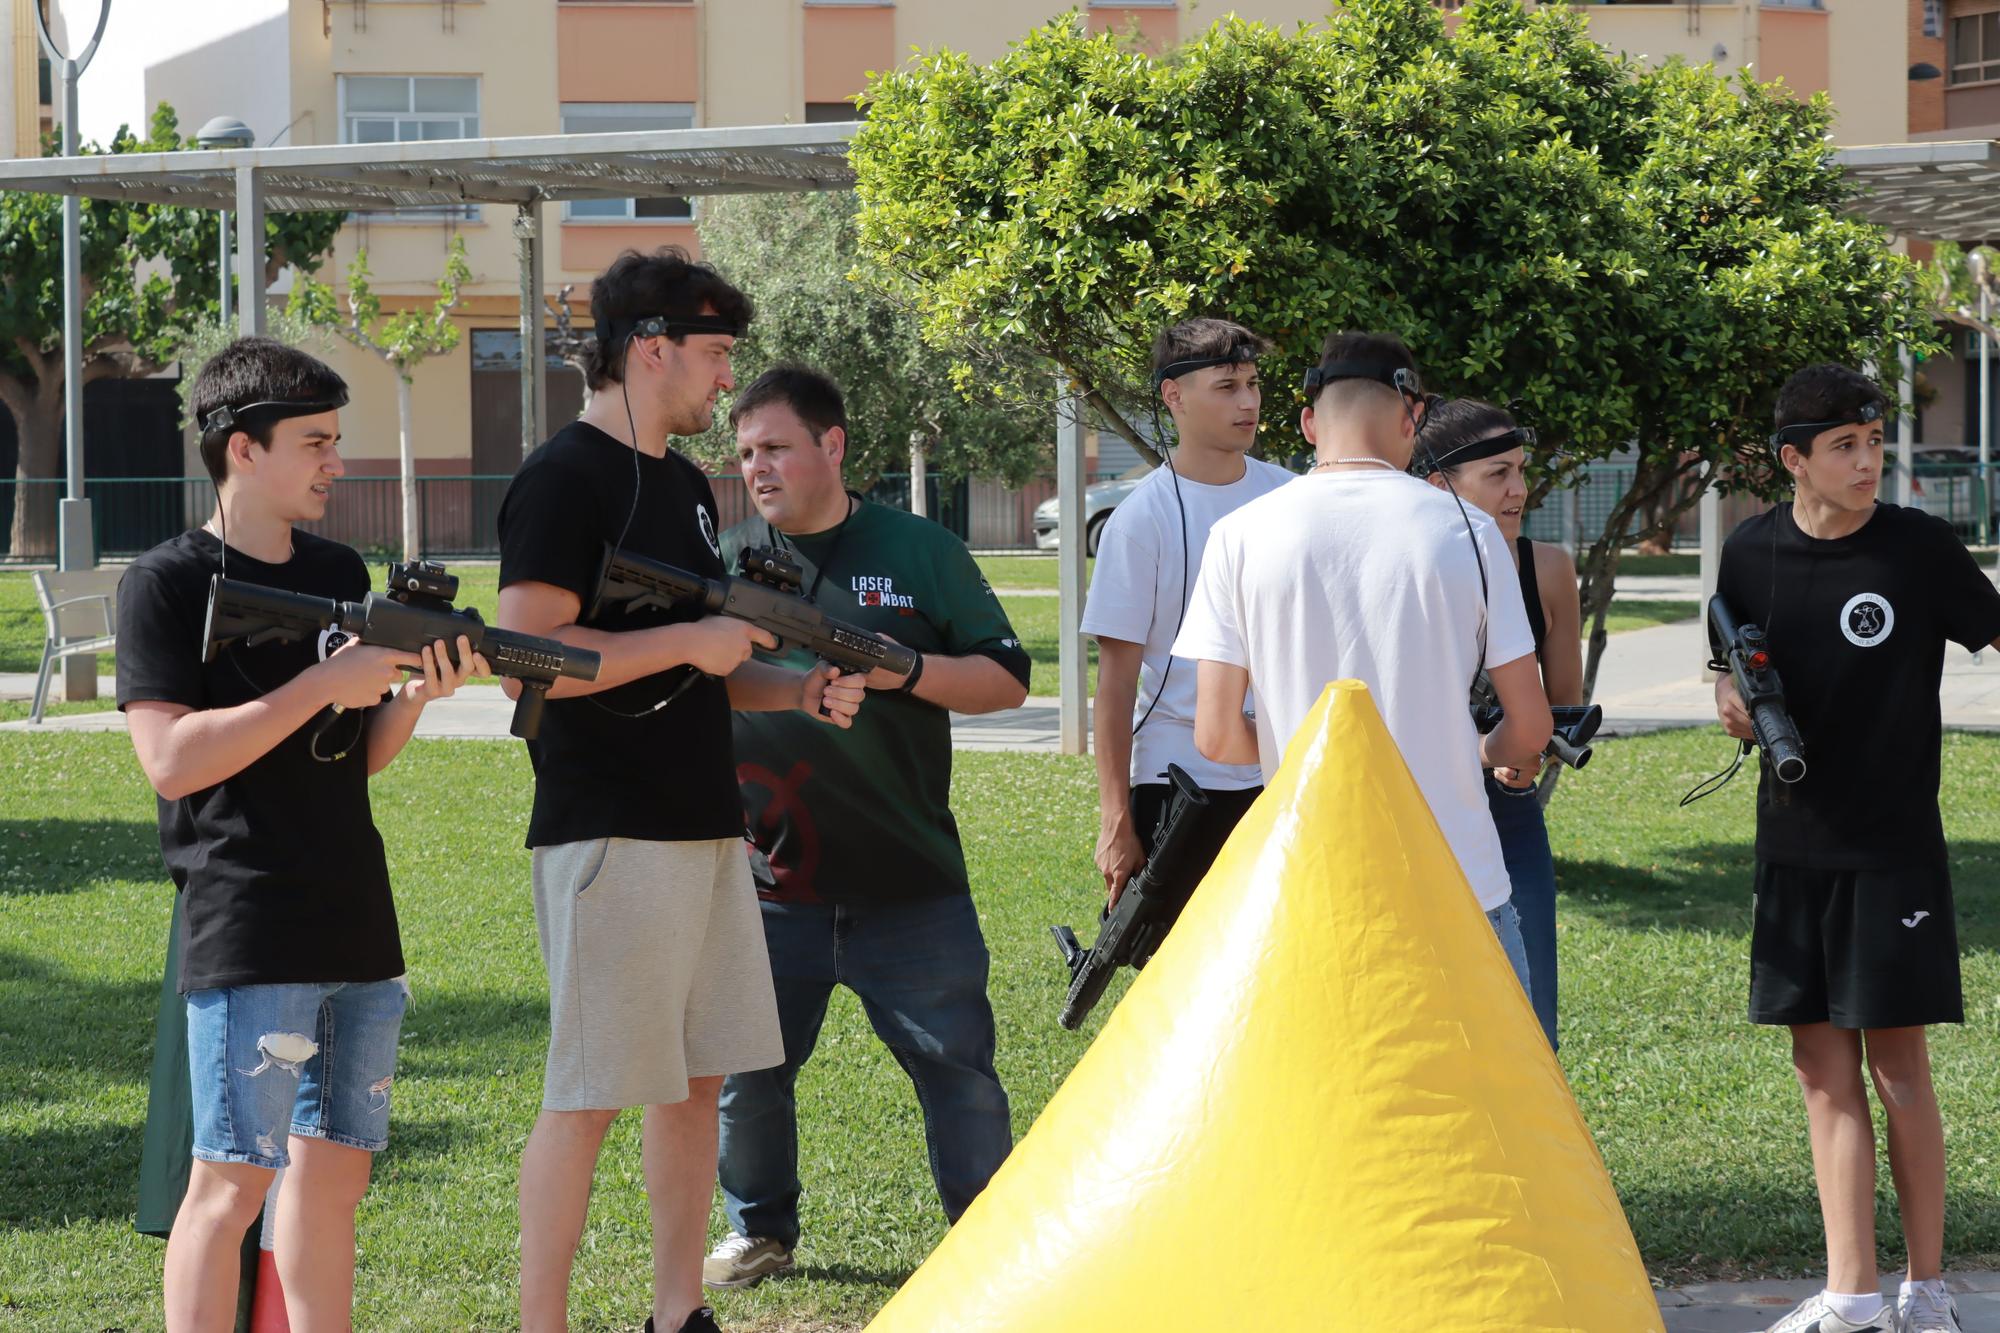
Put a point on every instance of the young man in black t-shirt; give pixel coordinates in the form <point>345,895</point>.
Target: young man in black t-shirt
<point>1854,945</point>
<point>261,759</point>
<point>659,983</point>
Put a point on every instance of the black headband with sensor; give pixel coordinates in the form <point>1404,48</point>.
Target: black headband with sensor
<point>227,418</point>
<point>1516,437</point>
<point>612,332</point>
<point>1175,370</point>
<point>1802,432</point>
<point>1400,378</point>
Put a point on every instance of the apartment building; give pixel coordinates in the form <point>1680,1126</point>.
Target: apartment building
<point>340,71</point>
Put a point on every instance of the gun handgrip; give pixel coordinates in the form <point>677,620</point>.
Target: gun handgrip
<point>1570,756</point>
<point>528,709</point>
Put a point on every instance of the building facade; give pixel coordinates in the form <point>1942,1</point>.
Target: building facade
<point>340,71</point>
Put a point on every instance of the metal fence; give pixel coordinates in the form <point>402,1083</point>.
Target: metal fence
<point>457,516</point>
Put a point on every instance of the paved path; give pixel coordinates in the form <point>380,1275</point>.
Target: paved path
<point>1650,678</point>
<point>1745,1307</point>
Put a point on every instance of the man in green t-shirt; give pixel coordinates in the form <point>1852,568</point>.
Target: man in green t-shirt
<point>852,844</point>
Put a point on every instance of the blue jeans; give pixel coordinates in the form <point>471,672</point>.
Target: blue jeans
<point>1506,923</point>
<point>314,1059</point>
<point>920,971</point>
<point>1524,842</point>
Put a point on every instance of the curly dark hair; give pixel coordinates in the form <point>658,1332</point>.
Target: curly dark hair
<point>665,282</point>
<point>1825,392</point>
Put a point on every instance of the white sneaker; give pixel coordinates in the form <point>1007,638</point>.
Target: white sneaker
<point>1814,1316</point>
<point>744,1261</point>
<point>1928,1309</point>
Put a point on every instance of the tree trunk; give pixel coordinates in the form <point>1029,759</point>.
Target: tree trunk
<point>405,453</point>
<point>920,493</point>
<point>1663,489</point>
<point>39,428</point>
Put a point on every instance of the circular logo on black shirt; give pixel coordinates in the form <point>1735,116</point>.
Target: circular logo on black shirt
<point>330,641</point>
<point>1867,619</point>
<point>708,530</point>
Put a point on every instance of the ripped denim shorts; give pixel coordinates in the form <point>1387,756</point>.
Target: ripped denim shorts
<point>315,1059</point>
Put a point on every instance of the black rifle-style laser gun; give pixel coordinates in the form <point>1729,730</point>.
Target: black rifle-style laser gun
<point>416,613</point>
<point>1743,652</point>
<point>1569,742</point>
<point>1133,929</point>
<point>767,596</point>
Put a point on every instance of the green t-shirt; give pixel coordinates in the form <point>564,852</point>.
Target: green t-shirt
<point>861,814</point>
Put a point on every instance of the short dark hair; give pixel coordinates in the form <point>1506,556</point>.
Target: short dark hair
<point>665,282</point>
<point>812,396</point>
<point>1457,422</point>
<point>1201,339</point>
<point>1382,348</point>
<point>255,370</point>
<point>1825,392</point>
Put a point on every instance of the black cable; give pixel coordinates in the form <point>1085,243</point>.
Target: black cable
<point>1167,461</point>
<point>1710,786</point>
<point>1429,458</point>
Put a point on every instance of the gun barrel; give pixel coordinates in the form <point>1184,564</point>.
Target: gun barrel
<point>1779,736</point>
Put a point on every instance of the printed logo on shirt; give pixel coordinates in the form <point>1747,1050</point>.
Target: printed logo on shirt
<point>1867,619</point>
<point>708,530</point>
<point>1911,921</point>
<point>879,590</point>
<point>330,641</point>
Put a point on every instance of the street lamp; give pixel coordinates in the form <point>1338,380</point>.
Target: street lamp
<point>1975,264</point>
<point>225,132</point>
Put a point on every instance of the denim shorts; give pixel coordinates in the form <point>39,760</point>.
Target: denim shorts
<point>314,1059</point>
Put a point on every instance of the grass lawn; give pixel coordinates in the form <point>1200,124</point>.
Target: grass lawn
<point>1027,571</point>
<point>1696,1112</point>
<point>1660,565</point>
<point>1643,613</point>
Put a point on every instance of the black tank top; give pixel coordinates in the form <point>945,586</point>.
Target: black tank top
<point>1531,593</point>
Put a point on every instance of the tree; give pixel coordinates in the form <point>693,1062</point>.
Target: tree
<point>403,340</point>
<point>797,255</point>
<point>150,273</point>
<point>1631,258</point>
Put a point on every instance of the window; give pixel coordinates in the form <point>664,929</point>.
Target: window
<point>402,108</point>
<point>612,118</point>
<point>1975,48</point>
<point>832,113</point>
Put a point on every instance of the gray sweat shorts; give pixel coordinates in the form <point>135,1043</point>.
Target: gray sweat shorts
<point>657,970</point>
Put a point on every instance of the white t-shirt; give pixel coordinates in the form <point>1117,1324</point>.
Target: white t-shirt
<point>1369,574</point>
<point>1136,595</point>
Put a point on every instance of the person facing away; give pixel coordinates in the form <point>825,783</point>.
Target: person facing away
<point>659,983</point>
<point>1480,452</point>
<point>1854,944</point>
<point>1205,374</point>
<point>261,760</point>
<point>853,845</point>
<point>1361,570</point>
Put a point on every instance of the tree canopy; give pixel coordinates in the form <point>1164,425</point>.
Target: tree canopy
<point>796,255</point>
<point>1632,258</point>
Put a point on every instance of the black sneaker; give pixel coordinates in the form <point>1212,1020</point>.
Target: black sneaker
<point>701,1321</point>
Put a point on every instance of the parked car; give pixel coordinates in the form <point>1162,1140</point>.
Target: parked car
<point>1098,502</point>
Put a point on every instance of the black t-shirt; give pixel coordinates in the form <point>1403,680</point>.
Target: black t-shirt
<point>612,764</point>
<point>1857,628</point>
<point>282,868</point>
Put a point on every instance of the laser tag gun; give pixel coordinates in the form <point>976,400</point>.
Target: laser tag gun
<point>1743,651</point>
<point>1569,742</point>
<point>767,596</point>
<point>1132,929</point>
<point>416,612</point>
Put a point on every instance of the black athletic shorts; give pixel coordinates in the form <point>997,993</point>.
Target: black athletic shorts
<point>1855,948</point>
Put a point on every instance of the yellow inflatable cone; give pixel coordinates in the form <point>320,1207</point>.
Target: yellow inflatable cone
<point>1325,1104</point>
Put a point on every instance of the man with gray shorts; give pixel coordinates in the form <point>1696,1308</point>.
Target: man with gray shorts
<point>659,982</point>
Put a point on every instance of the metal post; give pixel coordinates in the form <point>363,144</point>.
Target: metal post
<point>76,539</point>
<point>251,317</point>
<point>1906,426</point>
<point>224,230</point>
<point>1985,414</point>
<point>1073,734</point>
<point>534,358</point>
<point>1711,536</point>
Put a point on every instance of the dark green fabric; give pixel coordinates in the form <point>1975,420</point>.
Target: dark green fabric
<point>169,1148</point>
<point>861,814</point>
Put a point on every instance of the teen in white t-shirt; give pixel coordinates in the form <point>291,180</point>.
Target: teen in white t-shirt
<point>1147,560</point>
<point>1362,571</point>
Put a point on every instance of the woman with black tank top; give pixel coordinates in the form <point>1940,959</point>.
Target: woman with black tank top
<point>1479,447</point>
